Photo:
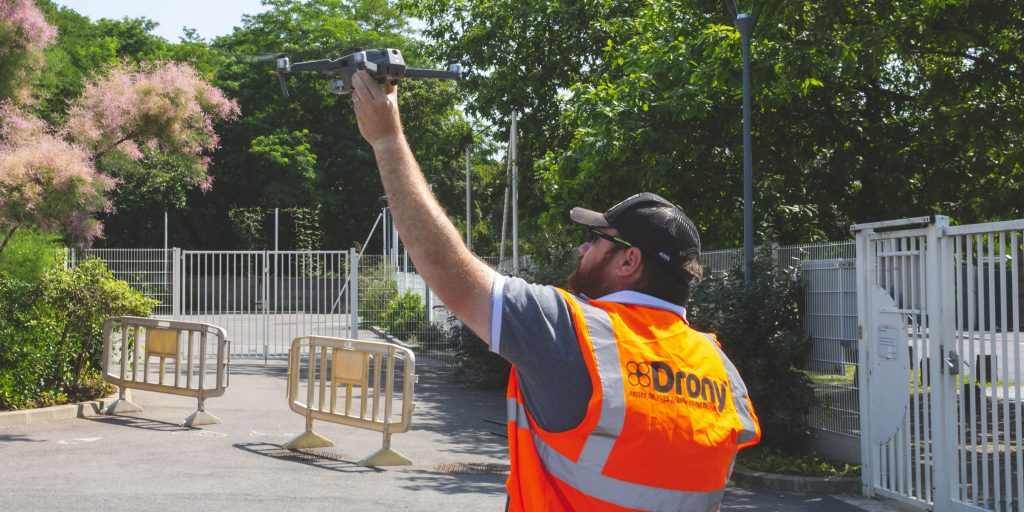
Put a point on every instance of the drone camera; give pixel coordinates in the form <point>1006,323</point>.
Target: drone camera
<point>337,85</point>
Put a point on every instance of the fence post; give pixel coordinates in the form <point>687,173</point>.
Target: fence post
<point>941,307</point>
<point>176,284</point>
<point>865,278</point>
<point>353,293</point>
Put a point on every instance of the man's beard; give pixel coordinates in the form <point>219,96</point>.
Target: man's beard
<point>589,282</point>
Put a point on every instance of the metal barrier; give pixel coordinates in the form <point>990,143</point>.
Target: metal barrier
<point>129,343</point>
<point>329,364</point>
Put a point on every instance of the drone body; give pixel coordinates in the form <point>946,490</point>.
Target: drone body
<point>384,65</point>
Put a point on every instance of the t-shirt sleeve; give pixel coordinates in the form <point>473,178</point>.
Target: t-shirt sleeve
<point>532,327</point>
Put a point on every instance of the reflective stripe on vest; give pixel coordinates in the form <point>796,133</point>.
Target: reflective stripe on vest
<point>613,395</point>
<point>621,493</point>
<point>739,397</point>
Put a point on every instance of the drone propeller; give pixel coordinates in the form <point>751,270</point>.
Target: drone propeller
<point>264,57</point>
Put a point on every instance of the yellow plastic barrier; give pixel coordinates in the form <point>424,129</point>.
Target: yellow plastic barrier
<point>327,363</point>
<point>130,342</point>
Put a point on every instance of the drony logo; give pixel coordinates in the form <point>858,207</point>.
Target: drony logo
<point>664,379</point>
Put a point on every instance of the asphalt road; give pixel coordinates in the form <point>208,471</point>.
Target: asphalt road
<point>146,461</point>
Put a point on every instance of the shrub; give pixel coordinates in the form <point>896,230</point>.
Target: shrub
<point>27,347</point>
<point>404,314</point>
<point>377,288</point>
<point>761,332</point>
<point>51,344</point>
<point>774,461</point>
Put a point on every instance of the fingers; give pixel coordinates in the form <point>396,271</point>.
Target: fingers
<point>364,87</point>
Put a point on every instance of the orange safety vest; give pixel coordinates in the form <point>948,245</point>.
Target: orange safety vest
<point>666,418</point>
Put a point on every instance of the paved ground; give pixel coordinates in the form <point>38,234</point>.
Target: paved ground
<point>145,461</point>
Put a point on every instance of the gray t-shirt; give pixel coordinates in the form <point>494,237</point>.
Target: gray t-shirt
<point>532,328</point>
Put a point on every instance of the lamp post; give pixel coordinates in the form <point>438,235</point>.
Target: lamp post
<point>469,208</point>
<point>745,25</point>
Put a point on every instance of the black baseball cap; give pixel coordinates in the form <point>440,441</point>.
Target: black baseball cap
<point>650,222</point>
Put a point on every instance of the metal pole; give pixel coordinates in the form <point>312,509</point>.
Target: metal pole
<point>353,294</point>
<point>469,210</point>
<point>745,24</point>
<point>166,283</point>
<point>515,199</point>
<point>385,231</point>
<point>504,218</point>
<point>276,212</point>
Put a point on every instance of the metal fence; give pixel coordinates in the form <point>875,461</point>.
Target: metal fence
<point>395,304</point>
<point>146,270</point>
<point>828,271</point>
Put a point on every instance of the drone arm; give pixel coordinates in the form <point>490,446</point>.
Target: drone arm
<point>284,84</point>
<point>432,73</point>
<point>317,65</point>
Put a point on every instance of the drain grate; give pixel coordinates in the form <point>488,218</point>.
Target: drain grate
<point>473,468</point>
<point>312,455</point>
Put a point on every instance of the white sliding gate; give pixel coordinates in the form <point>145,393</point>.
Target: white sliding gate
<point>264,299</point>
<point>939,313</point>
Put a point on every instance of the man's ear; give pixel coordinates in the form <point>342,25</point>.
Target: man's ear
<point>630,262</point>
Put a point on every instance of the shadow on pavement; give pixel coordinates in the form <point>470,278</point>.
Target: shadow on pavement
<point>141,423</point>
<point>459,414</point>
<point>768,501</point>
<point>256,367</point>
<point>18,438</point>
<point>453,483</point>
<point>322,459</point>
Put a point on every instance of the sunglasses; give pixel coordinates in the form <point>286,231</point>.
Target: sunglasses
<point>594,234</point>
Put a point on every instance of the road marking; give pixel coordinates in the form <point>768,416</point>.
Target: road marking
<point>80,440</point>
<point>255,433</point>
<point>208,433</point>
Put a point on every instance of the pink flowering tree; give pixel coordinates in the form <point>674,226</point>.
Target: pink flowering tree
<point>46,181</point>
<point>164,106</point>
<point>53,178</point>
<point>24,33</point>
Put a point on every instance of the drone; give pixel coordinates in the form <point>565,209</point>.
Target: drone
<point>384,65</point>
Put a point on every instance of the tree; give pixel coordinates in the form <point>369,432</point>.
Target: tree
<point>24,33</point>
<point>305,151</point>
<point>47,182</point>
<point>49,177</point>
<point>522,57</point>
<point>857,106</point>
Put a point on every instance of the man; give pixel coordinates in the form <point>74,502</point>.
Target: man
<point>614,403</point>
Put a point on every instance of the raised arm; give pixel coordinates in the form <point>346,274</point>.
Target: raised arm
<point>462,281</point>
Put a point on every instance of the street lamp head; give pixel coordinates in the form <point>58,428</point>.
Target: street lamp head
<point>745,24</point>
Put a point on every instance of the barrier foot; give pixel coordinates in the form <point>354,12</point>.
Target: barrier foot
<point>385,457</point>
<point>307,439</point>
<point>200,418</point>
<point>122,406</point>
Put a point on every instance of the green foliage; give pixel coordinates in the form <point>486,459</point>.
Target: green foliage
<point>247,224</point>
<point>779,462</point>
<point>29,254</point>
<point>377,288</point>
<point>404,314</point>
<point>305,151</point>
<point>288,165</point>
<point>760,330</point>
<point>855,105</point>
<point>51,332</point>
<point>157,183</point>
